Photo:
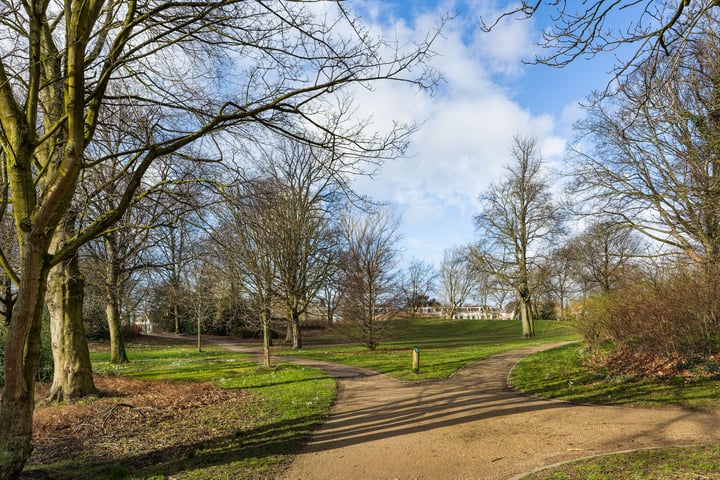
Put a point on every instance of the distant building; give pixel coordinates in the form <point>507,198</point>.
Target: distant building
<point>468,312</point>
<point>143,324</point>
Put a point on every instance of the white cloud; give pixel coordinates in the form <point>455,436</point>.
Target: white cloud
<point>504,48</point>
<point>468,125</point>
<point>465,140</point>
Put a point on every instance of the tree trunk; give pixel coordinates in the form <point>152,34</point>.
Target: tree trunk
<point>72,376</point>
<point>267,340</point>
<point>288,332</point>
<point>22,353</point>
<point>330,313</point>
<point>295,327</point>
<point>176,314</point>
<point>199,333</point>
<point>526,319</point>
<point>118,354</point>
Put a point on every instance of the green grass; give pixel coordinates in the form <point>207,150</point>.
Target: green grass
<point>561,373</point>
<point>445,345</point>
<point>283,404</point>
<point>248,439</point>
<point>701,462</point>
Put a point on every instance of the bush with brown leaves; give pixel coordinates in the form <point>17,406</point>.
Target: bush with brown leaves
<point>654,323</point>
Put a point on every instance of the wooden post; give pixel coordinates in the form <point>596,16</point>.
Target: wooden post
<point>198,334</point>
<point>416,360</point>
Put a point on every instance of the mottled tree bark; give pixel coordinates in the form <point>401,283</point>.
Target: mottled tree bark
<point>22,353</point>
<point>295,329</point>
<point>72,377</point>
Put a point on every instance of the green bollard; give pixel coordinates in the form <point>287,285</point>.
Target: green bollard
<point>416,360</point>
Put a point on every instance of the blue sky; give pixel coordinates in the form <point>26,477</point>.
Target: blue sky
<point>488,95</point>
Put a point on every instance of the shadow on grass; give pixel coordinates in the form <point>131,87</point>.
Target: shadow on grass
<point>272,441</point>
<point>467,397</point>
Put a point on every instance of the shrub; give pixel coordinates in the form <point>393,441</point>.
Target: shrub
<point>45,365</point>
<point>130,330</point>
<point>95,323</point>
<point>592,321</point>
<point>656,322</point>
<point>548,310</point>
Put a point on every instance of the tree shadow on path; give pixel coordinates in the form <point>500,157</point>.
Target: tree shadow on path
<point>473,425</point>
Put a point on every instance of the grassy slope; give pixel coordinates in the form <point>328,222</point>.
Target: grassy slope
<point>445,345</point>
<point>561,373</point>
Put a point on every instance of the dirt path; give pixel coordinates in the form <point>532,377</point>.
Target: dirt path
<point>473,426</point>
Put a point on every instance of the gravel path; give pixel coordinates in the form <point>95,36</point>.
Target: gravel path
<point>474,426</point>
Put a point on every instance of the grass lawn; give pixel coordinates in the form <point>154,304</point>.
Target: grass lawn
<point>174,412</point>
<point>560,373</point>
<point>445,345</point>
<point>209,415</point>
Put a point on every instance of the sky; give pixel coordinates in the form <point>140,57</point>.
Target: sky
<point>488,95</point>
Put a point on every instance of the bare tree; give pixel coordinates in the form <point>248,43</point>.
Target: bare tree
<point>310,182</point>
<point>247,236</point>
<point>368,275</point>
<point>560,277</point>
<point>417,283</point>
<point>115,254</point>
<point>457,278</point>
<point>300,188</point>
<point>202,300</point>
<point>121,254</point>
<point>603,255</point>
<point>191,70</point>
<point>487,287</point>
<point>330,297</point>
<point>214,301</point>
<point>517,220</point>
<point>654,164</point>
<point>168,191</point>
